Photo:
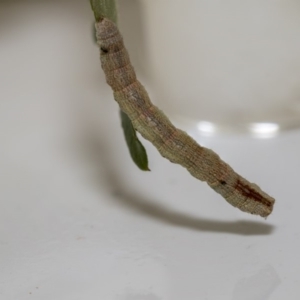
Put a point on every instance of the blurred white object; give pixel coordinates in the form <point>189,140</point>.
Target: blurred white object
<point>231,63</point>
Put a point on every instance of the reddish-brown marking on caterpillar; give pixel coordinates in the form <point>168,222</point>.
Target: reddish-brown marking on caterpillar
<point>172,143</point>
<point>249,192</point>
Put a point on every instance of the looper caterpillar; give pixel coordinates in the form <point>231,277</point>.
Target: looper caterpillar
<point>171,142</point>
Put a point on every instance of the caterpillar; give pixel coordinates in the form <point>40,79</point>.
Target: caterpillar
<point>171,142</point>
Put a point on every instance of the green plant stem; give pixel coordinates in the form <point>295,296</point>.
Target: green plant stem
<point>107,9</point>
<point>104,8</point>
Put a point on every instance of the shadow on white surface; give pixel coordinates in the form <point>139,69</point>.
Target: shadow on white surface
<point>97,154</point>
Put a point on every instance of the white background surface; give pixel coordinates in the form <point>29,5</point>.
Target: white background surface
<point>79,221</point>
<point>230,62</point>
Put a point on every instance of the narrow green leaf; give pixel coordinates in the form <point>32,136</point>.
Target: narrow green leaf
<point>136,149</point>
<point>107,9</point>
